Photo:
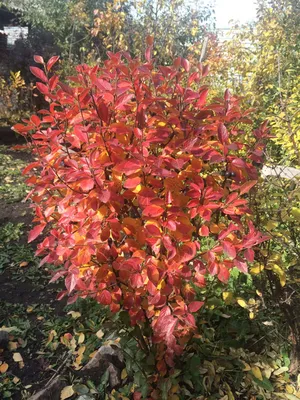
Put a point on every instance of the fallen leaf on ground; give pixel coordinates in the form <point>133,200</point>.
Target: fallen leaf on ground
<point>17,357</point>
<point>67,392</point>
<point>100,334</point>
<point>3,368</point>
<point>74,314</point>
<point>23,264</point>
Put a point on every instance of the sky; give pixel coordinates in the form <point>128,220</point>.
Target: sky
<point>242,10</point>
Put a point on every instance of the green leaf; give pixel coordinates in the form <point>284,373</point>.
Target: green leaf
<point>81,389</point>
<point>264,384</point>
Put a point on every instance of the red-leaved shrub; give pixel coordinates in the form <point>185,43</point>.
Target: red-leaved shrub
<point>142,189</point>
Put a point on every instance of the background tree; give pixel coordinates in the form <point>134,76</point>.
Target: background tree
<point>88,29</point>
<point>261,63</point>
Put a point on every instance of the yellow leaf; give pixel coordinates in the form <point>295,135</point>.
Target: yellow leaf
<point>175,388</point>
<point>228,391</point>
<point>247,366</point>
<point>81,338</point>
<point>137,189</point>
<point>161,284</point>
<point>81,350</point>
<point>274,257</point>
<point>23,264</point>
<point>280,371</point>
<point>3,368</point>
<point>12,346</point>
<point>51,336</point>
<point>67,392</point>
<point>271,225</point>
<point>93,354</point>
<point>290,389</point>
<point>29,309</point>
<point>124,374</point>
<point>256,269</point>
<point>100,334</point>
<point>16,380</point>
<point>228,297</point>
<point>296,213</point>
<point>74,314</point>
<point>281,274</point>
<point>251,315</point>
<point>241,302</point>
<point>257,373</point>
<point>17,357</point>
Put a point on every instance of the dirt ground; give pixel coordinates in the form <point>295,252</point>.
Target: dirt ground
<point>25,296</point>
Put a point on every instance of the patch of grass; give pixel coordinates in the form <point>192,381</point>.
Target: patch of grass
<point>12,186</point>
<point>11,232</point>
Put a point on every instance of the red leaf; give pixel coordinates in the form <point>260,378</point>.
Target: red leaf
<point>185,64</point>
<point>87,184</point>
<point>72,299</point>
<point>150,40</point>
<point>153,230</point>
<point>103,112</point>
<point>57,275</point>
<point>202,98</point>
<point>222,133</point>
<point>22,128</point>
<point>53,81</point>
<point>67,89</point>
<point>204,231</point>
<point>148,54</point>
<point>103,85</point>
<point>39,74</point>
<point>71,281</point>
<point>241,265</point>
<point>187,252</point>
<point>194,306</point>
<point>104,298</point>
<point>129,167</point>
<point>247,186</point>
<point>51,62</point>
<point>238,162</point>
<point>122,100</point>
<point>153,211</point>
<point>227,95</point>
<point>61,295</point>
<point>223,274</point>
<point>38,59</point>
<point>82,116</point>
<point>30,167</point>
<point>229,249</point>
<point>42,88</point>
<point>104,196</point>
<point>35,120</point>
<point>136,281</point>
<point>81,134</point>
<point>249,254</point>
<point>205,71</point>
<point>165,323</point>
<point>132,183</point>
<point>35,232</point>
